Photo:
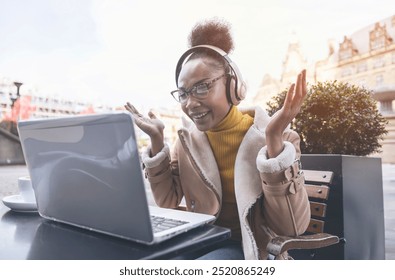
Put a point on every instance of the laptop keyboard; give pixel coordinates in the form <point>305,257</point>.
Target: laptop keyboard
<point>161,223</point>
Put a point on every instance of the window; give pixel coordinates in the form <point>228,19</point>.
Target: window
<point>378,62</point>
<point>378,43</point>
<point>379,37</point>
<point>346,72</point>
<point>345,54</point>
<point>379,80</point>
<point>362,67</point>
<point>346,49</point>
<point>385,106</point>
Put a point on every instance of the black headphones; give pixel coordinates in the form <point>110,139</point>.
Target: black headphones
<point>239,92</point>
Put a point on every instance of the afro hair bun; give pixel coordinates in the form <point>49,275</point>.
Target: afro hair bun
<point>213,32</point>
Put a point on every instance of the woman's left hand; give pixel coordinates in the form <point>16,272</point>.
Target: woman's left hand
<point>283,117</point>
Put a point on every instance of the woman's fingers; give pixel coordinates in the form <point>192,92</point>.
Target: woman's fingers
<point>132,109</point>
<point>136,114</point>
<point>151,115</point>
<point>138,118</point>
<point>299,90</point>
<point>149,124</point>
<point>292,104</point>
<point>295,96</point>
<point>303,88</point>
<point>289,96</point>
<point>299,85</point>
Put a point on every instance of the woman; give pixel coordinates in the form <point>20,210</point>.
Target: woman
<point>239,165</point>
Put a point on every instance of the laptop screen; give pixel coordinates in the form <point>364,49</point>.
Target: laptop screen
<point>86,171</point>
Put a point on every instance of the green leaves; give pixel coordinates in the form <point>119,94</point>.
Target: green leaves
<point>337,118</point>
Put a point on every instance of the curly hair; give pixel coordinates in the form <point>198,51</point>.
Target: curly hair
<point>215,32</point>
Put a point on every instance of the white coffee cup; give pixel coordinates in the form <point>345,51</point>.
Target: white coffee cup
<point>26,189</point>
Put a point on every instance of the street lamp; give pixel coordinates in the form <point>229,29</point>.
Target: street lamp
<point>18,85</point>
<point>13,99</point>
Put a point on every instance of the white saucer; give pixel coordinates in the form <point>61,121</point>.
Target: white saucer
<point>18,204</point>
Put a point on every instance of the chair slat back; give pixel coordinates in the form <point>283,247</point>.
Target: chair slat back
<point>317,187</point>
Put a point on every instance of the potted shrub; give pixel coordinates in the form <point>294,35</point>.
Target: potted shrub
<point>340,126</point>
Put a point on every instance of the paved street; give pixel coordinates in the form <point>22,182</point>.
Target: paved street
<point>10,174</point>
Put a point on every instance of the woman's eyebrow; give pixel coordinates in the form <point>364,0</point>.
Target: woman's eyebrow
<point>196,83</point>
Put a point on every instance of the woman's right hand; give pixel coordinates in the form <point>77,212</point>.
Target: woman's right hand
<point>151,125</point>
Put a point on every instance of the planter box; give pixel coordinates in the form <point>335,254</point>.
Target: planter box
<point>355,209</point>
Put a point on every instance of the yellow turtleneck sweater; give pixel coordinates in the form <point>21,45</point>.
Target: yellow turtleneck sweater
<point>225,140</point>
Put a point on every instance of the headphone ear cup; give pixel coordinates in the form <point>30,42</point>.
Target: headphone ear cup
<point>229,88</point>
<point>235,90</point>
<point>241,91</point>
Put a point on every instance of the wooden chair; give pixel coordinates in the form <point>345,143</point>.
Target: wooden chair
<point>317,184</point>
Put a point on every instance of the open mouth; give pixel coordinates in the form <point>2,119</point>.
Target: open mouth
<point>198,116</point>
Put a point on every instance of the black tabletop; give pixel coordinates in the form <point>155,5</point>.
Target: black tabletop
<point>29,236</point>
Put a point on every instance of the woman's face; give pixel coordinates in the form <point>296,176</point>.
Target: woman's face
<point>209,112</point>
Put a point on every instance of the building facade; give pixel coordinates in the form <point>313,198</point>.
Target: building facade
<point>32,105</point>
<point>294,61</point>
<point>365,58</point>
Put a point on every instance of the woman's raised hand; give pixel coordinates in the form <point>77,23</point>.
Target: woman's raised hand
<point>283,117</point>
<point>151,125</point>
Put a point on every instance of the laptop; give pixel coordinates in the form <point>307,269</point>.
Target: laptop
<point>86,171</point>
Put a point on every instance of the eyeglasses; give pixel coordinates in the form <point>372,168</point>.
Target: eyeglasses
<point>199,91</point>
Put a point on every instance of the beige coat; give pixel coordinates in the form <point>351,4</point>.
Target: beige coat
<point>270,195</point>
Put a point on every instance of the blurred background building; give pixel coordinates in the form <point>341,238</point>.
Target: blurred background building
<point>30,104</point>
<point>365,58</point>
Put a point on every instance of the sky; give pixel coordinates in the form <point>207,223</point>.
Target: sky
<point>112,51</point>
